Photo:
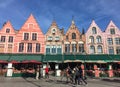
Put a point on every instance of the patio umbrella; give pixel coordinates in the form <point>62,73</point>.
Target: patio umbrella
<point>34,61</point>
<point>26,61</point>
<point>14,62</point>
<point>3,61</point>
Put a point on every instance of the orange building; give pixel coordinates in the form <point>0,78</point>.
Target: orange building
<point>74,41</point>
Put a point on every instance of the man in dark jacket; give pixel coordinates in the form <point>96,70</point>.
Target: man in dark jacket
<point>80,78</point>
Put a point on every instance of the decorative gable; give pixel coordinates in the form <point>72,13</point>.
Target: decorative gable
<point>53,30</point>
<point>94,29</point>
<point>112,29</point>
<point>31,24</point>
<point>7,28</point>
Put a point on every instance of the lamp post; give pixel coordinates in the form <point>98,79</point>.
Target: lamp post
<point>84,63</point>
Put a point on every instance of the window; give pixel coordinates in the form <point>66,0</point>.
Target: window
<point>26,36</point>
<point>118,50</point>
<point>110,41</point>
<point>53,31</point>
<point>37,47</point>
<point>67,48</point>
<point>117,41</point>
<point>111,50</point>
<point>9,46</point>
<point>59,49</point>
<point>74,48</point>
<point>10,39</point>
<point>57,38</point>
<point>94,30</point>
<point>47,49</point>
<point>67,38</point>
<point>112,31</point>
<point>49,38</point>
<point>99,49</point>
<point>53,49</point>
<point>73,36</point>
<point>21,47</point>
<point>31,26</point>
<point>29,48</point>
<point>98,39</point>
<point>92,49</point>
<point>81,48</point>
<point>34,36</point>
<point>3,38</point>
<point>91,39</point>
<point>7,30</point>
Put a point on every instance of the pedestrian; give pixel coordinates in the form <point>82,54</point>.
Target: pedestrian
<point>37,72</point>
<point>47,73</point>
<point>62,74</point>
<point>77,74</point>
<point>80,78</point>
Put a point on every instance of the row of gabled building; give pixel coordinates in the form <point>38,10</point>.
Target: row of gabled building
<point>29,39</point>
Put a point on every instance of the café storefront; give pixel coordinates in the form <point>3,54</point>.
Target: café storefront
<point>25,65</point>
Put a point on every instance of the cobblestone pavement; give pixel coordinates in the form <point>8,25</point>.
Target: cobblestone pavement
<point>54,82</point>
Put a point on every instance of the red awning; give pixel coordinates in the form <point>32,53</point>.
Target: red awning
<point>14,62</point>
<point>34,61</point>
<point>3,61</point>
<point>25,61</point>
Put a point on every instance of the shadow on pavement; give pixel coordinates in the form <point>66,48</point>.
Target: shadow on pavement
<point>111,80</point>
<point>32,82</point>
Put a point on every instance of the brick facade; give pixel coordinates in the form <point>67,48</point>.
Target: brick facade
<point>30,39</point>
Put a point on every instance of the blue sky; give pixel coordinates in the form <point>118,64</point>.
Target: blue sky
<point>84,11</point>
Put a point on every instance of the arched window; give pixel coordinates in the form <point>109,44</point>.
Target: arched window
<point>73,36</point>
<point>91,39</point>
<point>99,49</point>
<point>92,49</point>
<point>94,30</point>
<point>98,39</point>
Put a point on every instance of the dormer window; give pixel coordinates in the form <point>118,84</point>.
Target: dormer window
<point>7,30</point>
<point>73,36</point>
<point>112,31</point>
<point>53,31</point>
<point>67,38</point>
<point>94,30</point>
<point>31,26</point>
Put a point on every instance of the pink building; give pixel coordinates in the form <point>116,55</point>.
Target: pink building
<point>112,39</point>
<point>7,37</point>
<point>94,39</point>
<point>30,39</point>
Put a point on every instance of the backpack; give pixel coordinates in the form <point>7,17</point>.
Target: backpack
<point>77,73</point>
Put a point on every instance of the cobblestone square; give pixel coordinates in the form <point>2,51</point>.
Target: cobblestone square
<point>55,82</point>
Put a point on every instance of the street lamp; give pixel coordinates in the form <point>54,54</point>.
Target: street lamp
<point>84,53</point>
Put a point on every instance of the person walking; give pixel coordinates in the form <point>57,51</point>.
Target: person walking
<point>77,74</point>
<point>47,73</point>
<point>80,78</point>
<point>37,73</point>
<point>62,74</point>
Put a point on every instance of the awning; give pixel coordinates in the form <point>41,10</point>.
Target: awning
<point>53,58</point>
<point>3,61</point>
<point>21,57</point>
<point>98,58</point>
